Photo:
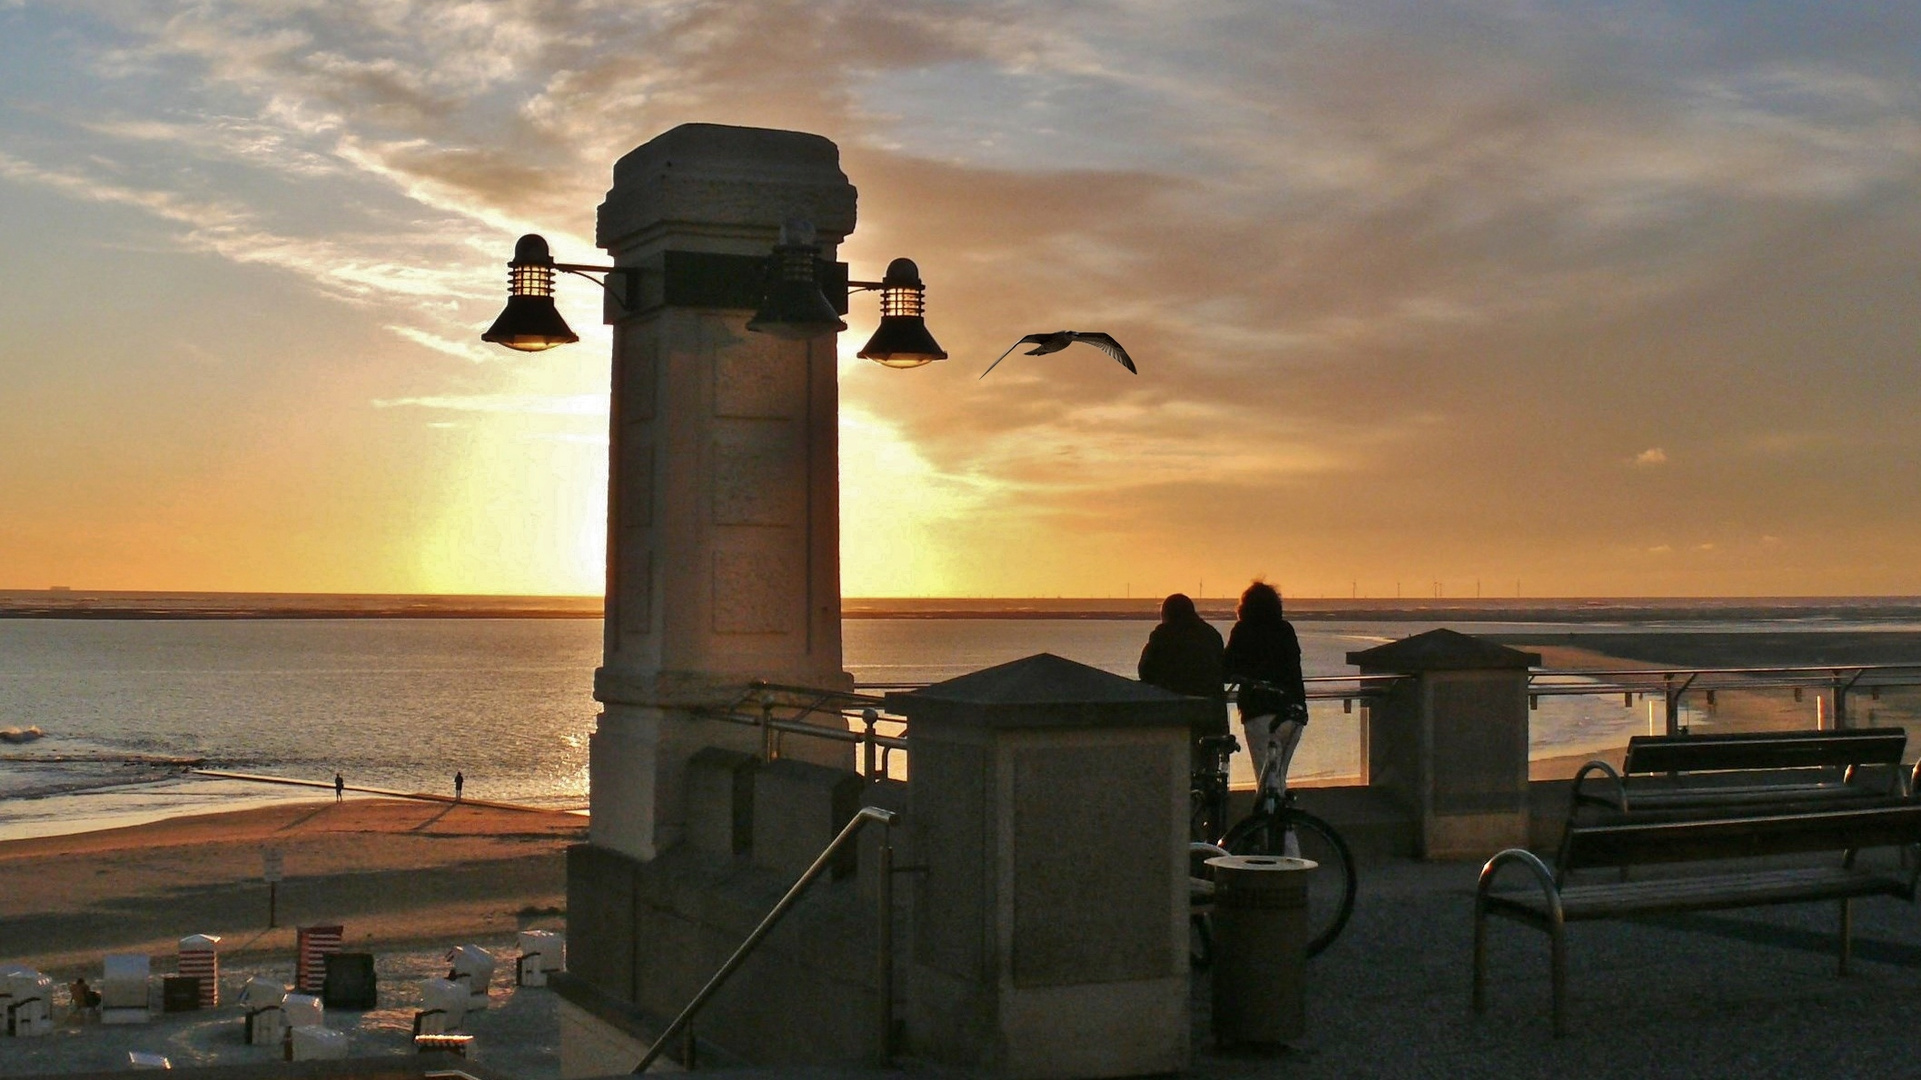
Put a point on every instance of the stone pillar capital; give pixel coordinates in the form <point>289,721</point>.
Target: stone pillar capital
<point>713,187</point>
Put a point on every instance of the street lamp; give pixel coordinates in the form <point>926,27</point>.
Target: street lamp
<point>785,286</point>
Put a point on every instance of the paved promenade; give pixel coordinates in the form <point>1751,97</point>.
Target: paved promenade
<point>1750,994</point>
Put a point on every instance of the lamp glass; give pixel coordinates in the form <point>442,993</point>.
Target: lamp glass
<point>794,308</point>
<point>902,340</point>
<point>530,322</point>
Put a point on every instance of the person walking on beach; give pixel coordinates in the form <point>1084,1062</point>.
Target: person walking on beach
<point>1184,654</point>
<point>1264,657</point>
<point>459,782</point>
<point>340,787</point>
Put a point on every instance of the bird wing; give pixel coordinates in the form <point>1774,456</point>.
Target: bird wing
<point>1010,348</point>
<point>1048,343</point>
<point>1108,345</point>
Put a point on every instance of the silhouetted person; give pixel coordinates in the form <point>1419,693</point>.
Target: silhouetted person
<point>85,998</point>
<point>340,787</point>
<point>459,782</point>
<point>1264,657</point>
<point>1184,654</point>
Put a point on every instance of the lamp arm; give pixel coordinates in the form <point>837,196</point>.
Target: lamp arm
<point>865,286</point>
<point>628,297</point>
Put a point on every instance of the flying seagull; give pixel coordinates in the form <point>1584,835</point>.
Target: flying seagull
<point>1061,339</point>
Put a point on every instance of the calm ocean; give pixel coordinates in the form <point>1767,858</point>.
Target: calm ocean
<point>403,703</point>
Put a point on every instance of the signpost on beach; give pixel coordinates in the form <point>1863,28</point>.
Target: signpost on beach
<point>271,870</point>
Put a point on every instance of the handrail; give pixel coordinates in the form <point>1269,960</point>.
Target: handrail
<point>885,932</point>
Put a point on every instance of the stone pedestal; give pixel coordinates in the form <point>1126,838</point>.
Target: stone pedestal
<point>723,502</point>
<point>1049,803</point>
<point>1451,741</point>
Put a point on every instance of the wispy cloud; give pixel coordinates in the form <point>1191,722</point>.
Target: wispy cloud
<point>528,404</point>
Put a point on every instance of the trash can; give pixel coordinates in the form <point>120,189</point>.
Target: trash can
<point>1260,948</point>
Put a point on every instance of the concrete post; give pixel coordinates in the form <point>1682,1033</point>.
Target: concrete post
<point>1450,742</point>
<point>723,552</point>
<point>1049,804</point>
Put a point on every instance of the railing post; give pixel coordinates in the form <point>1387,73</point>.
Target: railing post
<point>869,718</point>
<point>1674,704</point>
<point>1840,695</point>
<point>884,930</point>
<point>769,748</point>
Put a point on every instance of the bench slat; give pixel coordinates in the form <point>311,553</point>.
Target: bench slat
<point>1636,840</point>
<point>1650,754</point>
<point>1719,892</point>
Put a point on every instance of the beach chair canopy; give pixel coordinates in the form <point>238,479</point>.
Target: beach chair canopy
<point>263,993</point>
<point>128,966</point>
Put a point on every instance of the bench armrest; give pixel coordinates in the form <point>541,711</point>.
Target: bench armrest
<point>1545,877</point>
<point>1615,797</point>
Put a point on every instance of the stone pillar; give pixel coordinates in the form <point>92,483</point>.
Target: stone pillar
<point>723,548</point>
<point>1450,742</point>
<point>1049,804</point>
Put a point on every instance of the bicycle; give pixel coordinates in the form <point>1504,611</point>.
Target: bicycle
<point>1275,827</point>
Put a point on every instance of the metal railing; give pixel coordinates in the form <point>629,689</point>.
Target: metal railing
<point>1838,682</point>
<point>778,710</point>
<point>884,950</point>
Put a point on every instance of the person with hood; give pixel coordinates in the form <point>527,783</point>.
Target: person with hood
<point>1183,654</point>
<point>1264,657</point>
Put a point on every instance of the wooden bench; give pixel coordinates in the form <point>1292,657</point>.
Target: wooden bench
<point>1745,772</point>
<point>1627,842</point>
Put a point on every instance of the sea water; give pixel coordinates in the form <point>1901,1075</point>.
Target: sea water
<point>404,703</point>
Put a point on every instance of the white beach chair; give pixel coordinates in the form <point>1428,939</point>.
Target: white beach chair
<point>26,1002</point>
<point>542,952</point>
<point>443,1007</point>
<point>266,1020</point>
<point>315,1042</point>
<point>303,1010</point>
<point>473,966</point>
<point>123,989</point>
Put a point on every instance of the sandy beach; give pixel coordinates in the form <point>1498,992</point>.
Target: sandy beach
<point>393,872</point>
<point>407,879</point>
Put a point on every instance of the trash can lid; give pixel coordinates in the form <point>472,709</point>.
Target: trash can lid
<point>1260,862</point>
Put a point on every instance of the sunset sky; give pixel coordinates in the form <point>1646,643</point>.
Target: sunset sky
<point>1570,297</point>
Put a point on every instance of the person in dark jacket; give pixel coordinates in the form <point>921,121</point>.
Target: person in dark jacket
<point>1264,657</point>
<point>1183,654</point>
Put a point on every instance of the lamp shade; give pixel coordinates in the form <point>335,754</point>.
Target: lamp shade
<point>530,322</point>
<point>902,340</point>
<point>795,308</point>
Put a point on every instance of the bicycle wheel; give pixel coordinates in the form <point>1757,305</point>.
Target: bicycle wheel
<point>1330,892</point>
